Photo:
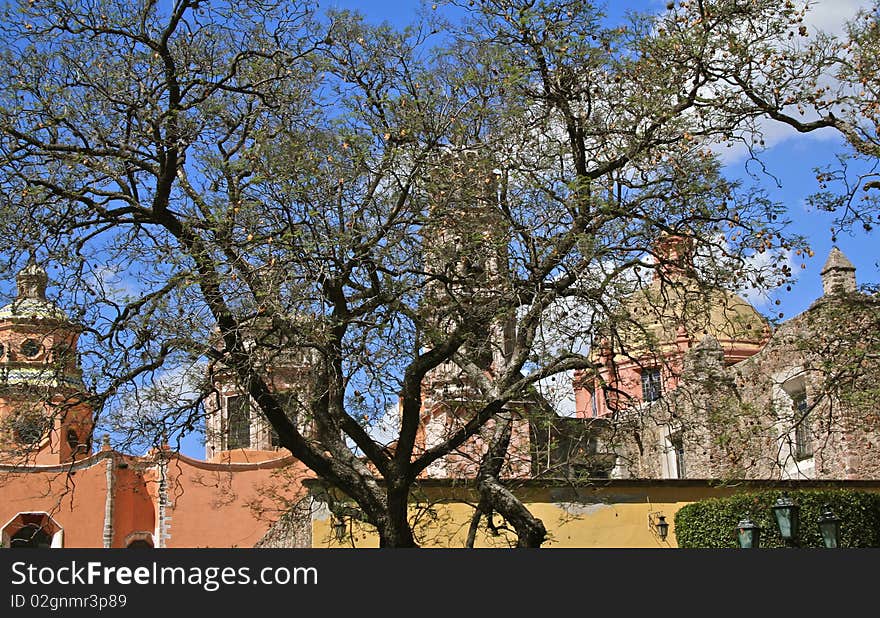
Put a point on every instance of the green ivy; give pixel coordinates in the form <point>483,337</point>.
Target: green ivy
<point>711,523</point>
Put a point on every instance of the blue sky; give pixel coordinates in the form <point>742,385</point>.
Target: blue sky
<point>790,158</point>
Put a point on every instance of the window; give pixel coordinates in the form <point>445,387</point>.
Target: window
<point>28,428</point>
<point>139,540</point>
<point>139,544</point>
<point>30,536</point>
<point>678,452</point>
<point>803,442</point>
<point>238,423</point>
<point>31,348</point>
<point>651,388</point>
<point>32,530</point>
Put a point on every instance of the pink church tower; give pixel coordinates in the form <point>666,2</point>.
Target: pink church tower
<point>45,416</point>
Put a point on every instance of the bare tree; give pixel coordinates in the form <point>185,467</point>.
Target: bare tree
<point>251,184</point>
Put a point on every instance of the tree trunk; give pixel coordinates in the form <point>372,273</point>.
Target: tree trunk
<point>530,530</point>
<point>394,529</point>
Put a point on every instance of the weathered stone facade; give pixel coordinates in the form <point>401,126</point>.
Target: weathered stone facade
<point>804,407</point>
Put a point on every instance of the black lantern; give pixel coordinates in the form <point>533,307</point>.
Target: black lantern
<point>339,529</point>
<point>658,525</point>
<point>748,534</point>
<point>829,526</point>
<point>662,527</point>
<point>787,515</point>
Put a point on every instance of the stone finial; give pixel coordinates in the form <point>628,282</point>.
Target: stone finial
<point>32,281</point>
<point>838,274</point>
<point>674,255</point>
<point>707,354</point>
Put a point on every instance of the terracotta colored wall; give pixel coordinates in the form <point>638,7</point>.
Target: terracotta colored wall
<point>214,505</point>
<point>209,505</point>
<point>75,499</point>
<point>134,508</point>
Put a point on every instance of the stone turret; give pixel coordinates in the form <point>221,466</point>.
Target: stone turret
<point>838,274</point>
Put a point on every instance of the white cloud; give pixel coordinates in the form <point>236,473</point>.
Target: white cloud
<point>766,262</point>
<point>831,15</point>
<point>113,284</point>
<point>558,391</point>
<point>386,429</point>
<point>772,133</point>
<point>171,389</point>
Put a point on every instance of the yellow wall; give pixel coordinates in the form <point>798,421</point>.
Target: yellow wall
<point>614,515</point>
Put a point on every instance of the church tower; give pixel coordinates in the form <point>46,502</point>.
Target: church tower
<point>236,430</point>
<point>466,241</point>
<point>465,259</point>
<point>44,414</point>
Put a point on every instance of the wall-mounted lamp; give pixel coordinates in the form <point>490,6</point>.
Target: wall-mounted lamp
<point>340,528</point>
<point>658,525</point>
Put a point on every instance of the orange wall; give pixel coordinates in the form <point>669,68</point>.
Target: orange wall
<point>74,498</point>
<point>209,504</point>
<point>217,505</point>
<point>133,508</point>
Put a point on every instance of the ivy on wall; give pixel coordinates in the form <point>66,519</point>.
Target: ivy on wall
<point>711,523</point>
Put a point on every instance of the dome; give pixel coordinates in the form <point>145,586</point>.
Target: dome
<point>32,309</point>
<point>660,317</point>
<point>31,302</point>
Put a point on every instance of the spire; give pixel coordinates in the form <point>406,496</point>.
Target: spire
<point>32,281</point>
<point>838,274</point>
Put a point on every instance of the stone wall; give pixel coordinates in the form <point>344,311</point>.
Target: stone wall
<point>741,421</point>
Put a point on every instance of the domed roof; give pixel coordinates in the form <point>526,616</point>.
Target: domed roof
<point>32,309</point>
<point>657,317</point>
<point>31,302</point>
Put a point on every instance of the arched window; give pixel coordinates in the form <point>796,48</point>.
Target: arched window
<point>803,441</point>
<point>32,530</point>
<point>139,540</point>
<point>238,423</point>
<point>139,544</point>
<point>30,535</point>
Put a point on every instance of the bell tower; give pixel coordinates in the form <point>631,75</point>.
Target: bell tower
<point>236,431</point>
<point>44,415</point>
<point>466,238</point>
